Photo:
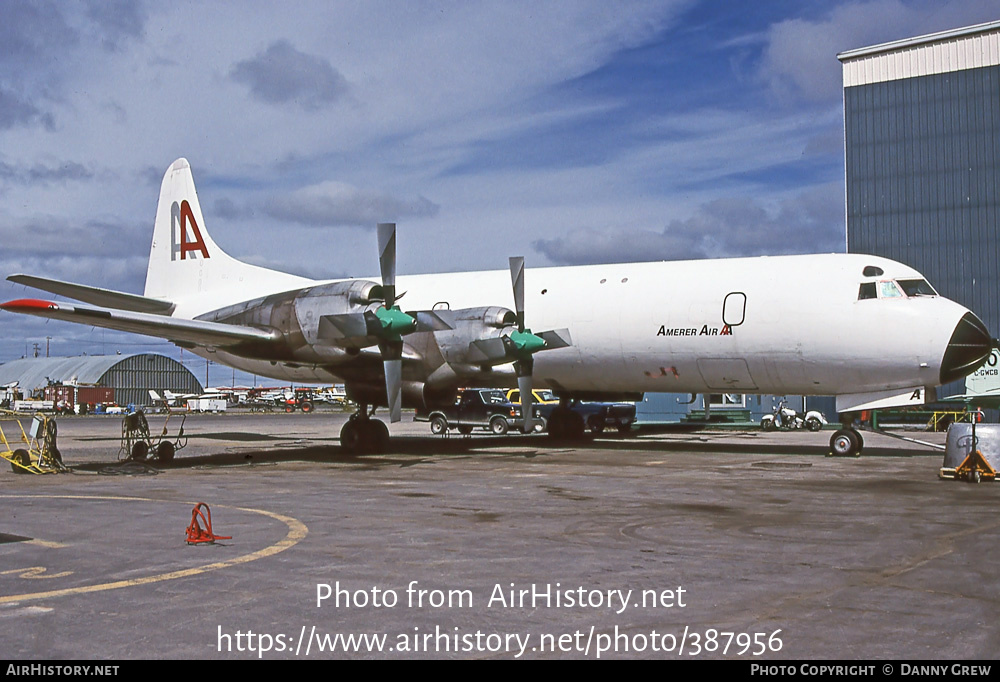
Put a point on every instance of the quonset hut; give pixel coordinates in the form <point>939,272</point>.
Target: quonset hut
<point>131,376</point>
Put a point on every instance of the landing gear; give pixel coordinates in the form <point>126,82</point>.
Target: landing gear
<point>846,441</point>
<point>362,434</point>
<point>565,424</point>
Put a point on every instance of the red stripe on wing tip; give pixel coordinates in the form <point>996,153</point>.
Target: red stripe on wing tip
<point>27,305</point>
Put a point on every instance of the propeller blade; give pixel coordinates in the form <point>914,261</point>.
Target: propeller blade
<point>524,384</point>
<point>517,280</point>
<point>387,261</point>
<point>343,326</point>
<point>433,320</point>
<point>488,351</point>
<point>556,338</point>
<point>394,388</point>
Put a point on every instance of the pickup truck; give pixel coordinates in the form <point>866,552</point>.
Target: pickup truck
<point>596,416</point>
<point>485,408</point>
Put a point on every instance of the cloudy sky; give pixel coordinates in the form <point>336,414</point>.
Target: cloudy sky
<point>566,131</point>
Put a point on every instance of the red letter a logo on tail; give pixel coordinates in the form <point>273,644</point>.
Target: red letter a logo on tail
<point>181,218</point>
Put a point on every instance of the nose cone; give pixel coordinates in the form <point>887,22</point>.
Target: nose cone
<point>968,349</point>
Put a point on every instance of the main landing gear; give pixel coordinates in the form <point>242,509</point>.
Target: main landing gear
<point>565,424</point>
<point>846,441</point>
<point>363,434</point>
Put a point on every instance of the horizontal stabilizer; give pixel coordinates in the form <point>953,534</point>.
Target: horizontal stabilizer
<point>96,296</point>
<point>197,332</point>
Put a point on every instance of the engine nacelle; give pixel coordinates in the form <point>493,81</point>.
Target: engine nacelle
<point>471,324</point>
<point>299,314</point>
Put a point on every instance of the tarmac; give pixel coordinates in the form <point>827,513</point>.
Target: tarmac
<point>675,545</point>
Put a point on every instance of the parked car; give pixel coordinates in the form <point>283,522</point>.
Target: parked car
<point>482,408</point>
<point>542,396</point>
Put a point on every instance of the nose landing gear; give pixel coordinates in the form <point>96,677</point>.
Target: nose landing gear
<point>847,440</point>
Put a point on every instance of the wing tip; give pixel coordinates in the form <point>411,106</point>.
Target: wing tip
<point>27,305</point>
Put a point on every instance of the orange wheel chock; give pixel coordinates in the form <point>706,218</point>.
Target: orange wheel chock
<point>197,535</point>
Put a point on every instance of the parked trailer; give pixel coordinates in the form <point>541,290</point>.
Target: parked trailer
<point>206,405</point>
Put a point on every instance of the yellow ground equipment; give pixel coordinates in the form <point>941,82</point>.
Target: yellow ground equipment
<point>941,420</point>
<point>137,444</point>
<point>33,451</point>
<point>971,456</point>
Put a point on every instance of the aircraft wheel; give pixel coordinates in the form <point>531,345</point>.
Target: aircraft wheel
<point>378,436</point>
<point>498,426</point>
<point>165,451</point>
<point>845,443</point>
<point>566,425</point>
<point>350,436</point>
<point>140,449</point>
<point>814,424</point>
<point>20,457</point>
<point>557,425</point>
<point>861,442</point>
<point>439,425</point>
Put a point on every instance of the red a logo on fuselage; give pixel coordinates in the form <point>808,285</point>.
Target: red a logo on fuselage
<point>181,219</point>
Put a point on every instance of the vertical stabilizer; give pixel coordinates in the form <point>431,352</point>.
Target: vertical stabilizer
<point>184,261</point>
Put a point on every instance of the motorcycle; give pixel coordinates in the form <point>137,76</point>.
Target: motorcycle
<point>784,418</point>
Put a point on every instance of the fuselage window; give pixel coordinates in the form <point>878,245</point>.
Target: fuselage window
<point>917,287</point>
<point>867,290</point>
<point>888,289</point>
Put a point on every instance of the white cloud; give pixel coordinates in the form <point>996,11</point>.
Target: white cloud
<point>800,58</point>
<point>337,203</point>
<point>809,222</point>
<point>281,75</point>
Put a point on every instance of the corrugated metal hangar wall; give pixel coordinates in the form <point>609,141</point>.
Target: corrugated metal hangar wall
<point>130,375</point>
<point>922,142</point>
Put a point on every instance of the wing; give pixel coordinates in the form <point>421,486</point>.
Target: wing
<point>180,331</point>
<point>95,295</point>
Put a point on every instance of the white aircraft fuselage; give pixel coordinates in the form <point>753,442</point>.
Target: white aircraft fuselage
<point>866,329</point>
<point>798,327</point>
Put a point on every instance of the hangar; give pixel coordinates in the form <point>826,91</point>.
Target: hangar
<point>131,376</point>
<point>922,175</point>
<point>922,147</point>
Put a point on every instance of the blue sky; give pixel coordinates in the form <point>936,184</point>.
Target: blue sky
<point>567,132</point>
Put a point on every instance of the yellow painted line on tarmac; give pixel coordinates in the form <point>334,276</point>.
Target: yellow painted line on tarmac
<point>46,543</point>
<point>296,532</point>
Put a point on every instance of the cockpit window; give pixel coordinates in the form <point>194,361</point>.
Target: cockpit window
<point>867,291</point>
<point>888,289</point>
<point>917,287</point>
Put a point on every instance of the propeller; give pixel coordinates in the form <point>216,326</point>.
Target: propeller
<point>522,344</point>
<point>386,324</point>
<point>392,322</point>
